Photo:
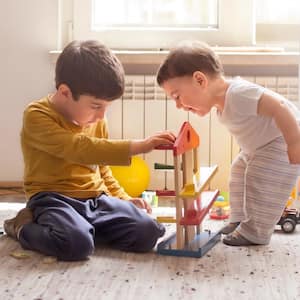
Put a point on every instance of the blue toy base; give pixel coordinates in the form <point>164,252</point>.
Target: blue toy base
<point>202,243</point>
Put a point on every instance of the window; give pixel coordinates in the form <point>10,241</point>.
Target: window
<point>159,24</point>
<point>278,23</point>
<point>154,14</point>
<point>278,12</point>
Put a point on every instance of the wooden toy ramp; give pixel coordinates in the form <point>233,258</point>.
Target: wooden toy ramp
<point>192,201</point>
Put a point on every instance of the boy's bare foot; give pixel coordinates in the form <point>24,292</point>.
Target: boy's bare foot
<point>14,225</point>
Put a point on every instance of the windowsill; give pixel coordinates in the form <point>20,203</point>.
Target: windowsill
<point>245,56</point>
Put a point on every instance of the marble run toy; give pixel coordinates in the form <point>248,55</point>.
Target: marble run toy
<point>192,202</point>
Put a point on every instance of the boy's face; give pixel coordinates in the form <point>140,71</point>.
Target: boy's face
<point>190,93</point>
<point>86,110</point>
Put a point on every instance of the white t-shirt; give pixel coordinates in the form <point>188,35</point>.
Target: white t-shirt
<point>251,130</point>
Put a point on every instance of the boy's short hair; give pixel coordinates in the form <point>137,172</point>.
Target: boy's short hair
<point>90,68</point>
<point>187,58</point>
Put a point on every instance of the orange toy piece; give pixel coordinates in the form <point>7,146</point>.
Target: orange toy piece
<point>187,139</point>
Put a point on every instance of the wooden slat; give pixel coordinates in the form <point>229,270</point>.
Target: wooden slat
<point>202,126</point>
<point>155,112</point>
<point>220,153</point>
<point>175,119</point>
<point>115,119</point>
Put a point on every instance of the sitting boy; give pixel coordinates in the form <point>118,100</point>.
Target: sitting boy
<point>73,198</point>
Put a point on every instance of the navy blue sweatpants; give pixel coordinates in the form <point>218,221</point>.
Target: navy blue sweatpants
<point>68,228</point>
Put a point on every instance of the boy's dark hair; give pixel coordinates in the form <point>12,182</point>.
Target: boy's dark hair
<point>187,58</point>
<point>90,68</point>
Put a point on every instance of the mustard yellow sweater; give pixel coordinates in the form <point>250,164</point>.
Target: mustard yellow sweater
<point>62,157</point>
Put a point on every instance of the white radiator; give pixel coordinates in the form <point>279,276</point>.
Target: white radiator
<point>144,110</point>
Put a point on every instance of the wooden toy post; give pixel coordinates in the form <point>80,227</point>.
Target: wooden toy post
<point>192,203</point>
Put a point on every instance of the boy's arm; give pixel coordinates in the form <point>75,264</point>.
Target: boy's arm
<point>112,184</point>
<point>285,120</point>
<point>43,133</point>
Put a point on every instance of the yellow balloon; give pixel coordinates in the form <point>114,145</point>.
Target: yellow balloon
<point>134,178</point>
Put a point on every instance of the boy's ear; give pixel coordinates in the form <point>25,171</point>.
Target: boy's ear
<point>65,91</point>
<point>200,78</point>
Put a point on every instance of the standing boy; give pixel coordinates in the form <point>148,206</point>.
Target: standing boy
<point>265,126</point>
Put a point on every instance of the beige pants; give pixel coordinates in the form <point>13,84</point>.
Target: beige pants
<point>260,185</point>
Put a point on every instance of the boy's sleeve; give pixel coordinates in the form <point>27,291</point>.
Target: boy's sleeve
<point>245,97</point>
<point>42,132</point>
<point>112,184</point>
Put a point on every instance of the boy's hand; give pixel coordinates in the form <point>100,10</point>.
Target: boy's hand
<point>149,143</point>
<point>141,203</point>
<point>294,152</point>
<point>160,138</point>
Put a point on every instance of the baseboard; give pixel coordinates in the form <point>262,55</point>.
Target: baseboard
<point>11,184</point>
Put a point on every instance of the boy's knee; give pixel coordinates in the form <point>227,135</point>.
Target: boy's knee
<point>78,246</point>
<point>148,232</point>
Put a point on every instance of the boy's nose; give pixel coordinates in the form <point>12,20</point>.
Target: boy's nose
<point>100,114</point>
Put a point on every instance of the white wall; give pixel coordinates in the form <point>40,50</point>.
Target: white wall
<point>28,30</point>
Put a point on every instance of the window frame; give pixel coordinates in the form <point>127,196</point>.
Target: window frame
<point>243,24</point>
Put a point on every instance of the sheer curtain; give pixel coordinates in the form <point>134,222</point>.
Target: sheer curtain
<point>156,13</point>
<point>278,11</point>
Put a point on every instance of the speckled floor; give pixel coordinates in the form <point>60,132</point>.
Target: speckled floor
<point>257,272</point>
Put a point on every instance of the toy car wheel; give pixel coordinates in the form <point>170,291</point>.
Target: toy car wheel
<point>288,225</point>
